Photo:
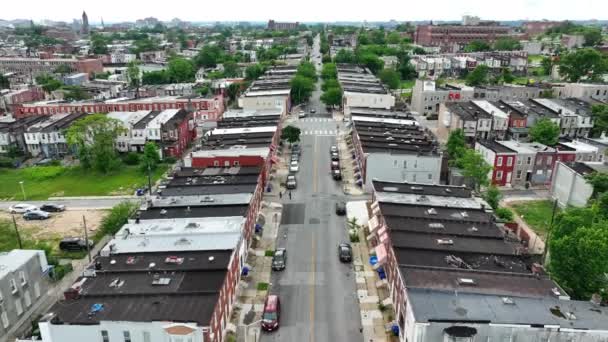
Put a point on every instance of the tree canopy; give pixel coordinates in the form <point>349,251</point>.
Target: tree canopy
<point>301,88</point>
<point>329,71</point>
<point>478,76</point>
<point>474,167</point>
<point>456,144</point>
<point>545,132</point>
<point>345,57</point>
<point>180,70</point>
<point>390,77</point>
<point>599,182</point>
<point>507,44</point>
<point>151,157</point>
<point>599,112</point>
<point>583,63</point>
<point>133,74</point>
<point>253,72</point>
<point>332,96</point>
<point>477,46</point>
<point>291,134</point>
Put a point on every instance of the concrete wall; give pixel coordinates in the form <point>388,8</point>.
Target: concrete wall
<point>385,101</point>
<point>403,167</point>
<point>264,102</point>
<point>569,187</point>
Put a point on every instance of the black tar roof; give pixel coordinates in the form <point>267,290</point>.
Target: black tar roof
<point>378,112</point>
<point>496,147</point>
<point>193,211</point>
<point>217,171</point>
<point>439,227</point>
<point>176,119</point>
<point>467,111</point>
<point>458,243</point>
<point>477,261</point>
<point>213,180</point>
<point>501,284</point>
<point>143,122</point>
<point>251,121</point>
<point>422,189</point>
<point>140,262</point>
<point>581,168</point>
<point>59,125</point>
<point>20,124</point>
<point>438,213</point>
<point>208,190</point>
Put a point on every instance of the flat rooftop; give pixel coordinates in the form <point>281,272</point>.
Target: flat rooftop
<point>422,189</point>
<point>495,146</point>
<point>13,260</point>
<point>202,190</point>
<point>467,111</point>
<point>233,151</point>
<point>448,243</point>
<point>217,171</point>
<point>436,213</point>
<point>200,200</point>
<point>155,213</point>
<point>441,228</point>
<point>211,180</point>
<point>441,202</point>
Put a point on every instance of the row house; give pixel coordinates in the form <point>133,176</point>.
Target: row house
<point>172,129</point>
<point>10,98</point>
<point>12,138</point>
<point>47,137</point>
<point>209,108</point>
<point>477,119</point>
<point>523,114</point>
<point>457,65</point>
<point>36,67</point>
<point>501,158</point>
<point>576,115</point>
<point>453,38</point>
<point>362,89</point>
<point>125,140</point>
<point>271,91</point>
<point>442,252</point>
<point>585,91</point>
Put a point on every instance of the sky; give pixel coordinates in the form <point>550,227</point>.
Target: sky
<point>304,11</point>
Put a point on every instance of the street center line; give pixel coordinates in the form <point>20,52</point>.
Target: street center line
<point>312,290</point>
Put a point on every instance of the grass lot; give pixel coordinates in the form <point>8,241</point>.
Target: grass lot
<point>43,182</point>
<point>535,58</point>
<point>408,84</point>
<point>537,214</point>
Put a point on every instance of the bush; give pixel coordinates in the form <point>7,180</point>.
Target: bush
<point>116,218</point>
<point>131,158</point>
<point>354,237</point>
<point>169,160</point>
<point>504,214</point>
<point>41,173</point>
<point>262,286</point>
<point>269,253</point>
<point>59,271</point>
<point>7,162</point>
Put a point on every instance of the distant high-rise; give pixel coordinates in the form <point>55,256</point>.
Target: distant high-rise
<point>85,23</point>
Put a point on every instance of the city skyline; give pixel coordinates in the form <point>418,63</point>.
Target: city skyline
<point>330,12</point>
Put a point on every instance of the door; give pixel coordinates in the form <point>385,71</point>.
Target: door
<point>509,175</point>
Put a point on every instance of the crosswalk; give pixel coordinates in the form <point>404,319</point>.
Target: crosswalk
<point>316,120</point>
<point>319,132</point>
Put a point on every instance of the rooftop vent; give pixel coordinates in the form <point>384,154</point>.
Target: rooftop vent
<point>431,211</point>
<point>211,258</point>
<point>157,280</point>
<point>467,281</point>
<point>445,241</point>
<point>464,214</point>
<point>163,212</point>
<point>436,225</point>
<point>570,316</point>
<point>508,301</point>
<point>117,283</point>
<point>417,188</point>
<point>390,189</point>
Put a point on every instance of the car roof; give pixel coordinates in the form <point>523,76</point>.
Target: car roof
<point>344,245</point>
<point>279,251</point>
<point>271,303</point>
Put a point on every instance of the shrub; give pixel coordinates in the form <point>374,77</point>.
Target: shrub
<point>354,237</point>
<point>169,160</point>
<point>131,158</point>
<point>116,218</point>
<point>262,286</point>
<point>504,214</point>
<point>7,162</point>
<point>269,253</point>
<point>41,173</point>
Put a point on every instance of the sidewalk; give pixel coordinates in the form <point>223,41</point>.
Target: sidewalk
<point>348,166</point>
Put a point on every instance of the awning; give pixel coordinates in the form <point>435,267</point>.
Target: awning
<point>384,238</point>
<point>381,254</point>
<point>274,159</point>
<point>373,223</point>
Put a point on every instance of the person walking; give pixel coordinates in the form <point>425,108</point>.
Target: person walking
<point>280,195</point>
<point>290,195</point>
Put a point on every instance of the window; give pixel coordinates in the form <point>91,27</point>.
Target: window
<point>430,176</point>
<point>498,175</point>
<point>104,336</point>
<point>216,163</point>
<point>146,336</point>
<point>13,286</point>
<point>499,161</point>
<point>127,336</point>
<point>18,306</point>
<point>27,298</point>
<point>518,174</point>
<point>518,161</point>
<point>539,172</point>
<point>414,177</point>
<point>4,316</point>
<point>405,164</point>
<point>539,161</point>
<point>529,160</point>
<point>395,162</point>
<point>37,290</point>
<point>510,161</point>
<point>226,163</point>
<point>22,277</point>
<point>549,173</point>
<point>549,160</point>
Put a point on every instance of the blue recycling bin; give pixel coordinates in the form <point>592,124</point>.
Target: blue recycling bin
<point>373,260</point>
<point>258,228</point>
<point>245,271</point>
<point>395,329</point>
<point>381,273</point>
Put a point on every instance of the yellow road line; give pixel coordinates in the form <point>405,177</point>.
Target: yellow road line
<point>312,290</point>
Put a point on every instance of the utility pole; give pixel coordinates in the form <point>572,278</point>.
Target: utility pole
<point>86,237</point>
<point>544,260</point>
<point>149,180</point>
<point>17,232</point>
<point>22,189</point>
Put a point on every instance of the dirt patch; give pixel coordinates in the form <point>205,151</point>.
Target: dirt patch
<point>59,225</point>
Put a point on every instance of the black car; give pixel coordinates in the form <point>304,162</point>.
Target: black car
<point>345,252</point>
<point>333,149</point>
<point>52,208</point>
<point>335,157</point>
<point>340,208</point>
<point>36,215</point>
<point>336,174</point>
<point>279,260</point>
<point>74,244</point>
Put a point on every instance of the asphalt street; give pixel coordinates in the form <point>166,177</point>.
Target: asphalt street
<point>317,292</point>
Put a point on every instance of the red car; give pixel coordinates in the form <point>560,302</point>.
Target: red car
<point>272,313</point>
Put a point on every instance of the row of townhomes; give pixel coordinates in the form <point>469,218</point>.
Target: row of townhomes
<point>271,91</point>
<point>456,65</point>
<point>454,273</point>
<point>172,272</point>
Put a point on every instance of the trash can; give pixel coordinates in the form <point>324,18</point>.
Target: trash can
<point>245,271</point>
<point>373,260</point>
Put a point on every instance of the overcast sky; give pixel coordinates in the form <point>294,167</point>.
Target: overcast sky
<point>309,10</point>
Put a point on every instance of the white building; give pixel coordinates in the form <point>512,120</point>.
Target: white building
<point>124,142</point>
<point>569,186</point>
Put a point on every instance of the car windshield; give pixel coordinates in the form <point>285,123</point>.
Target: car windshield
<point>270,316</point>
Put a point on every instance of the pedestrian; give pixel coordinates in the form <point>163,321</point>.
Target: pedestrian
<point>280,194</point>
<point>290,195</point>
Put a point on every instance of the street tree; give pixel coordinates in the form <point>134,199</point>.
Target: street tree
<point>345,57</point>
<point>133,74</point>
<point>390,77</point>
<point>583,63</point>
<point>477,46</point>
<point>291,134</point>
<point>330,83</point>
<point>479,76</point>
<point>372,62</point>
<point>599,112</point>
<point>492,196</point>
<point>253,72</point>
<point>329,71</point>
<point>181,70</point>
<point>545,132</point>
<point>307,69</point>
<point>150,158</point>
<point>332,97</point>
<point>301,88</point>
<point>599,182</point>
<point>578,260</point>
<point>474,167</point>
<point>94,138</point>
<point>456,144</point>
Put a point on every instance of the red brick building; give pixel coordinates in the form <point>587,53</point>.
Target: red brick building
<point>36,66</point>
<point>10,99</point>
<point>501,158</point>
<point>454,37</point>
<point>534,28</point>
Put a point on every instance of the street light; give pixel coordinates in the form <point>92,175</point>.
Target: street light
<point>22,189</point>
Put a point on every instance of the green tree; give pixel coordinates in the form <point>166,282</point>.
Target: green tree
<point>569,220</point>
<point>291,134</point>
<point>94,138</point>
<point>253,72</point>
<point>307,69</point>
<point>477,45</point>
<point>155,77</point>
<point>593,36</point>
<point>456,144</point>
<point>492,196</point>
<point>599,182</point>
<point>234,90</point>
<point>133,74</point>
<point>99,44</point>
<point>329,71</point>
<point>406,69</point>
<point>418,51</point>
<point>478,76</point>
<point>75,93</point>
<point>372,62</point>
<point>507,44</point>
<point>332,97</point>
<point>208,57</point>
<point>145,44</point>
<point>583,63</point>
<point>62,69</point>
<point>345,57</point>
<point>4,82</point>
<point>545,132</point>
<point>599,112</point>
<point>180,70</point>
<point>330,83</point>
<point>151,157</point>
<point>474,167</point>
<point>546,65</point>
<point>48,83</point>
<point>393,38</point>
<point>506,75</point>
<point>231,69</point>
<point>390,77</point>
<point>578,260</point>
<point>301,88</point>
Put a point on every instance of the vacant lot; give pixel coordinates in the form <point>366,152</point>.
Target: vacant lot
<point>67,223</point>
<point>43,182</point>
<point>537,214</point>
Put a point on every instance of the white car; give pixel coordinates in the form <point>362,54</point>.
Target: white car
<point>302,114</point>
<point>21,208</point>
<point>294,166</point>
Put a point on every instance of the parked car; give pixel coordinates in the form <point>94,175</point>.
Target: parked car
<point>345,252</point>
<point>335,157</point>
<point>36,214</point>
<point>52,208</point>
<point>296,148</point>
<point>74,244</point>
<point>333,149</point>
<point>312,110</point>
<point>295,157</point>
<point>291,182</point>
<point>21,208</point>
<point>340,208</point>
<point>272,313</point>
<point>336,174</point>
<point>302,114</point>
<point>279,260</point>
<point>294,166</point>
<point>335,165</point>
